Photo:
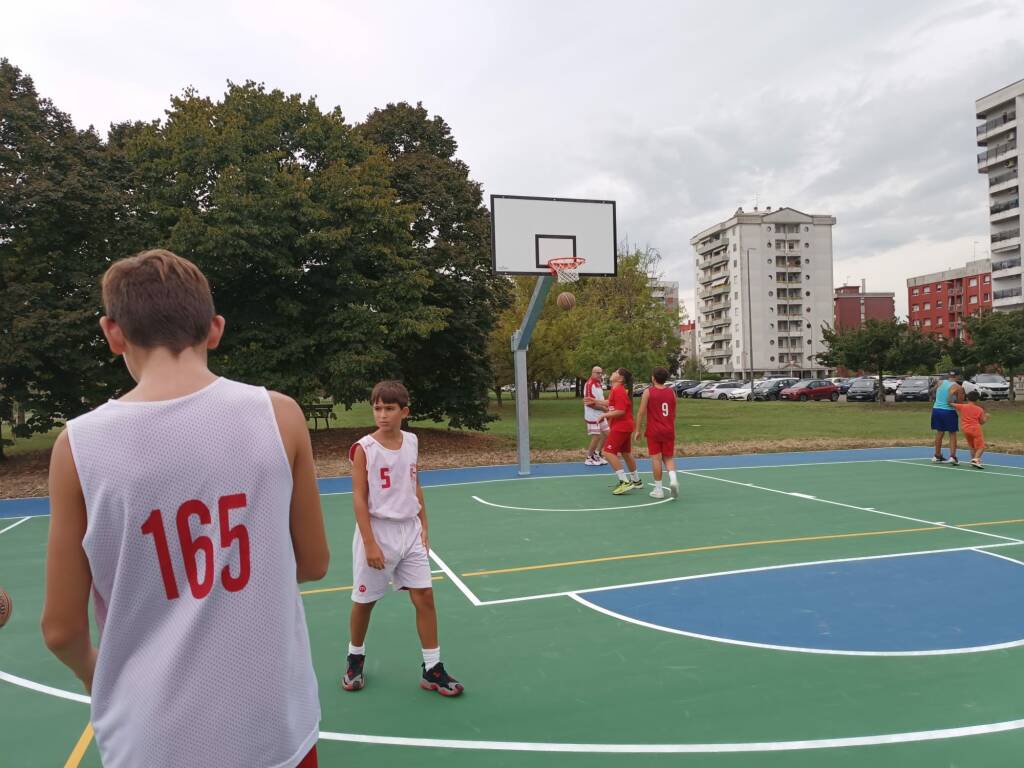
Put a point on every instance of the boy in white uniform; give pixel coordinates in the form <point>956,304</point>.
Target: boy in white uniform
<point>390,542</point>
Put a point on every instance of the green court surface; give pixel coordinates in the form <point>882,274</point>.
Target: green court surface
<point>553,680</point>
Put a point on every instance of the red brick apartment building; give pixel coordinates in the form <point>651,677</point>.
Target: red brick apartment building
<point>939,302</point>
<point>853,305</point>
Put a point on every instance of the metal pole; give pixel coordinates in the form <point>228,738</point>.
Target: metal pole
<point>520,344</point>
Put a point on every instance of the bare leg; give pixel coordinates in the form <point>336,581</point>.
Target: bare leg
<point>613,460</point>
<point>426,616</point>
<point>594,449</point>
<point>359,622</point>
<point>952,445</point>
<point>656,466</point>
<point>938,443</point>
<point>630,461</point>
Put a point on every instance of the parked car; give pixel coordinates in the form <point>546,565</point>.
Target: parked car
<point>991,386</point>
<point>720,390</point>
<point>891,383</point>
<point>769,390</point>
<point>684,384</point>
<point>638,389</point>
<point>695,391</point>
<point>742,392</point>
<point>863,390</point>
<point>811,389</point>
<point>914,388</point>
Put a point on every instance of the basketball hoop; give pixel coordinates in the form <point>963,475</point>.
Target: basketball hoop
<point>567,270</point>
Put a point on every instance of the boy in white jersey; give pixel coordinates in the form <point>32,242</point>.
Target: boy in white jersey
<point>189,508</point>
<point>390,543</point>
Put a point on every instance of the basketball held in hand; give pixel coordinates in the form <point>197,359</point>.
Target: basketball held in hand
<point>6,606</point>
<point>566,300</point>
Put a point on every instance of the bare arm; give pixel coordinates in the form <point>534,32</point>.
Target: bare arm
<point>65,621</point>
<point>361,506</point>
<point>641,415</point>
<point>984,416</point>
<point>309,539</point>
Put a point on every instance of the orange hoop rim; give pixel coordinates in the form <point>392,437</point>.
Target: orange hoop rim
<point>566,269</point>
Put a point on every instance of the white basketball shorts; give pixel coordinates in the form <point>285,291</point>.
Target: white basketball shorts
<point>596,428</point>
<point>406,564</point>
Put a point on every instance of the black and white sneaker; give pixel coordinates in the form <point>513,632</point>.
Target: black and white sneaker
<point>938,459</point>
<point>954,461</point>
<point>637,483</point>
<point>354,679</point>
<point>436,679</point>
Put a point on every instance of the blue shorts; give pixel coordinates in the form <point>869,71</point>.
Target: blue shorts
<point>945,421</point>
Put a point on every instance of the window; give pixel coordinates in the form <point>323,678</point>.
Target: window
<point>737,294</point>
<point>807,245</point>
<point>974,282</point>
<point>768,228</point>
<point>927,306</point>
<point>938,304</point>
<point>974,300</point>
<point>927,289</point>
<point>769,243</point>
<point>772,358</point>
<point>808,325</point>
<point>771,293</point>
<point>808,309</point>
<point>917,307</point>
<point>772,342</point>
<point>988,279</point>
<point>939,321</point>
<point>808,342</point>
<point>988,297</point>
<point>807,229</point>
<point>734,246</point>
<point>769,259</point>
<point>734,262</point>
<point>808,293</point>
<point>915,291</point>
<point>807,277</point>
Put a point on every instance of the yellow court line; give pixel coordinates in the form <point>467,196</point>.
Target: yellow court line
<point>80,748</point>
<point>345,589</point>
<point>708,548</point>
<point>991,522</point>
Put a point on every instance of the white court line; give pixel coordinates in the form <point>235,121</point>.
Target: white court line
<point>457,581</point>
<point>48,690</point>
<point>1001,557</point>
<point>15,525</point>
<point>570,592</point>
<point>947,467</point>
<point>534,746</point>
<point>579,509</point>
<point>801,649</point>
<point>853,506</point>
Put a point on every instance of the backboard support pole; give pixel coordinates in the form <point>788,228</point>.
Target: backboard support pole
<point>520,345</point>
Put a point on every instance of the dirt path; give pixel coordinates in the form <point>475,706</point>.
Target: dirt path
<point>25,474</point>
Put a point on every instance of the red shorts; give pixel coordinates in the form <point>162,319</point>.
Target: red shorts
<point>309,761</point>
<point>667,448</point>
<point>618,442</point>
<point>975,439</point>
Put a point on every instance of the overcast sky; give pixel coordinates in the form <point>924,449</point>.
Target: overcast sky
<point>680,111</point>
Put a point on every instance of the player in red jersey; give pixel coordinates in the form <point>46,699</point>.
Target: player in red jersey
<point>658,406</point>
<point>620,417</point>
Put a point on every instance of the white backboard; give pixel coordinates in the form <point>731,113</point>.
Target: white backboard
<point>528,231</point>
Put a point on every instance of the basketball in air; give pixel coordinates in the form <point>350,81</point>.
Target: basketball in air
<point>566,300</point>
<point>5,607</point>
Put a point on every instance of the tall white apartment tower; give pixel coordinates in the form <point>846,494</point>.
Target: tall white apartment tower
<point>764,290</point>
<point>997,136</point>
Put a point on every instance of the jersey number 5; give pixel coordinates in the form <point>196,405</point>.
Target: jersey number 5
<point>201,584</point>
<point>385,477</point>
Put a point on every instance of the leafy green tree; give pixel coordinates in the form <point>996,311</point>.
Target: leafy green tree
<point>293,217</point>
<point>447,372</point>
<point>58,207</point>
<point>997,338</point>
<point>884,346</point>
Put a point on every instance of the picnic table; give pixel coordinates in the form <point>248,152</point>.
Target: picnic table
<point>316,411</point>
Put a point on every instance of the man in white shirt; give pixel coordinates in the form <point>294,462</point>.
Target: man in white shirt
<point>594,405</point>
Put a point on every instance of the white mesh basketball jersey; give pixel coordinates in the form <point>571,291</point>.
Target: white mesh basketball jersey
<point>204,655</point>
<point>392,478</point>
<point>594,390</point>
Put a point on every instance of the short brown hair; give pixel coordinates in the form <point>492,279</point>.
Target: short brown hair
<point>390,392</point>
<point>661,375</point>
<point>159,299</point>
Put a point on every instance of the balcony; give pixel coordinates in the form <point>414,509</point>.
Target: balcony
<point>997,122</point>
<point>1005,298</point>
<point>715,306</point>
<point>1002,177</point>
<point>1003,208</point>
<point>713,261</point>
<point>1005,265</point>
<point>710,245</point>
<point>710,277</point>
<point>991,155</point>
<point>715,291</point>
<point>1006,239</point>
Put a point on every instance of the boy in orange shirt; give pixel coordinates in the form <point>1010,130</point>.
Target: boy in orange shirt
<point>972,416</point>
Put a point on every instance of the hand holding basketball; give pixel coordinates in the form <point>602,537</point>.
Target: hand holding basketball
<point>6,606</point>
<point>566,300</point>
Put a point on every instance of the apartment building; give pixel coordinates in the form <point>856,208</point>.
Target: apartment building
<point>853,305</point>
<point>998,160</point>
<point>939,302</point>
<point>764,290</point>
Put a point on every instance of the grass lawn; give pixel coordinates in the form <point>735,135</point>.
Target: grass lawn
<point>556,423</point>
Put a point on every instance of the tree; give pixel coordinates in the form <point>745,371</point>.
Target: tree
<point>879,345</point>
<point>447,372</point>
<point>58,207</point>
<point>997,338</point>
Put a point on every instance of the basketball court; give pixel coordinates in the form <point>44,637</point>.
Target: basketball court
<point>842,609</point>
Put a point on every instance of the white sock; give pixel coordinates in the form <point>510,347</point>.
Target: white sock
<point>672,476</point>
<point>621,474</point>
<point>635,477</point>
<point>358,650</point>
<point>431,657</point>
<point>657,485</point>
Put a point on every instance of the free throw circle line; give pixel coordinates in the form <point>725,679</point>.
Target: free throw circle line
<point>581,509</point>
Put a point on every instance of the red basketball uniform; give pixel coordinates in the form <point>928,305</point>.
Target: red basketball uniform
<point>661,421</point>
<point>622,426</point>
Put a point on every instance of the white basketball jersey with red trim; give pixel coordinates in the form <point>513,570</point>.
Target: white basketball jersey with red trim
<point>594,390</point>
<point>204,654</point>
<point>392,478</point>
